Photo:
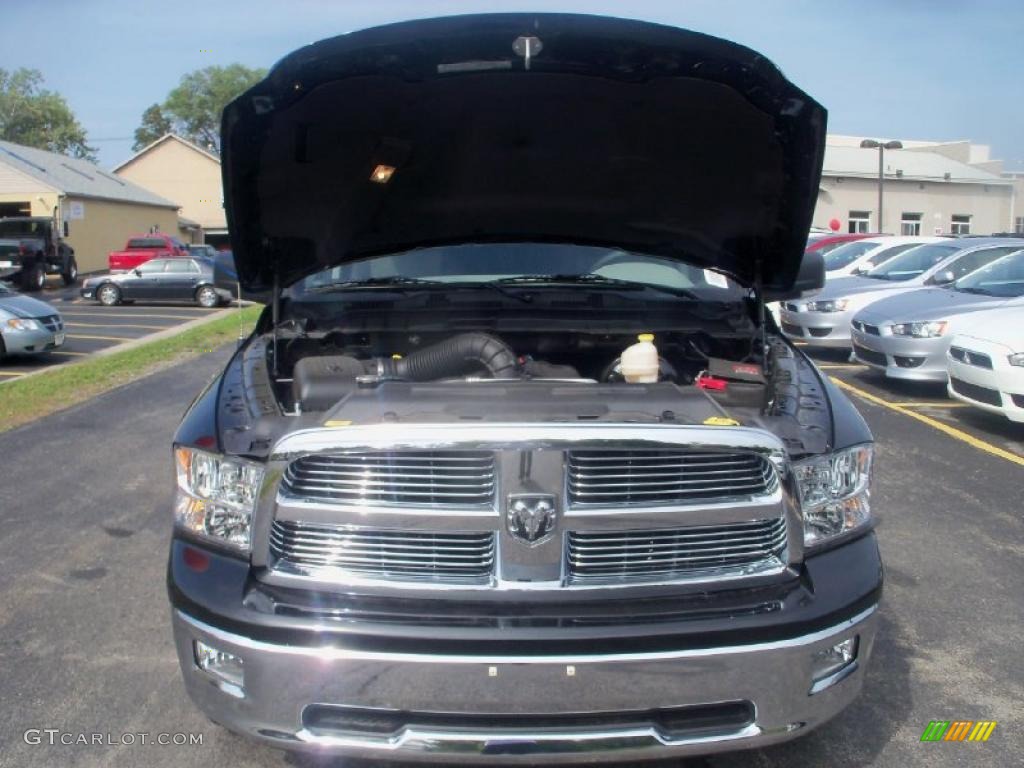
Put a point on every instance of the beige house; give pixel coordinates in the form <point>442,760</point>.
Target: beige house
<point>929,188</point>
<point>101,210</point>
<point>185,173</point>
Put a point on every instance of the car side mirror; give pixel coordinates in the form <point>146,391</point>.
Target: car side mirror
<point>67,229</point>
<point>809,279</point>
<point>138,272</point>
<point>943,278</point>
<point>863,269</point>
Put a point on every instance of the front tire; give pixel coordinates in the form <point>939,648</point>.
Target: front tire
<point>108,294</point>
<point>33,279</point>
<point>207,297</point>
<point>70,274</point>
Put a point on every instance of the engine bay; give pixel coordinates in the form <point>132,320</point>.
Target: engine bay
<point>314,374</point>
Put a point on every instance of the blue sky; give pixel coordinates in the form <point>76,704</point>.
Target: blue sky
<point>921,69</point>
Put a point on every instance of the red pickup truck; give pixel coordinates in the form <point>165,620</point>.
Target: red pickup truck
<point>142,248</point>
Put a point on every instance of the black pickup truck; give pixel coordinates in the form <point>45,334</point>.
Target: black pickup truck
<point>31,248</point>
<point>516,467</point>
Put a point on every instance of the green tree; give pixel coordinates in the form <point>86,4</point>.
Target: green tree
<point>36,117</point>
<point>195,105</point>
<point>154,125</point>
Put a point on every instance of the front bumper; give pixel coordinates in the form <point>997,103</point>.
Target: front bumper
<point>504,700</point>
<point>902,357</point>
<point>818,329</point>
<point>32,342</point>
<point>284,683</point>
<point>1003,382</point>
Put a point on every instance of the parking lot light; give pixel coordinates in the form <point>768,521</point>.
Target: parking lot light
<point>881,146</point>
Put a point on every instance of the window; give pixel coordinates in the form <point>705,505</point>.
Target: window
<point>180,265</point>
<point>860,221</point>
<point>151,266</point>
<point>146,243</point>
<point>977,259</point>
<point>847,253</point>
<point>1018,225</point>
<point>961,224</point>
<point>912,262</point>
<point>910,224</point>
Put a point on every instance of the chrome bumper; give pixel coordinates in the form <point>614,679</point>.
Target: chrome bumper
<point>282,681</point>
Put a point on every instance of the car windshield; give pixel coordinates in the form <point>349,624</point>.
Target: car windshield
<point>846,254</point>
<point>912,263</point>
<point>508,264</point>
<point>4,290</point>
<point>1003,277</point>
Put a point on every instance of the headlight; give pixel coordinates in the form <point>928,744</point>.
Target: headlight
<point>920,330</point>
<point>216,496</point>
<point>1017,359</point>
<point>23,324</point>
<point>838,305</point>
<point>834,493</point>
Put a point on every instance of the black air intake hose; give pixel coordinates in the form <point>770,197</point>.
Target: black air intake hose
<point>457,356</point>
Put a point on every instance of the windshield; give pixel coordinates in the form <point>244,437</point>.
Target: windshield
<point>534,263</point>
<point>845,254</point>
<point>21,228</point>
<point>912,263</point>
<point>1004,278</point>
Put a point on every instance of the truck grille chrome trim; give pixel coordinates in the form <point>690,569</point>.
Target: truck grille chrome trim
<point>676,552</point>
<point>666,477</point>
<point>401,555</point>
<point>451,478</point>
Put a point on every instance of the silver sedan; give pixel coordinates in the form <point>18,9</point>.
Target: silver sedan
<point>907,336</point>
<point>27,326</point>
<point>824,319</point>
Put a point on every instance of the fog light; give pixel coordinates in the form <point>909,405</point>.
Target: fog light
<point>224,667</point>
<point>831,665</point>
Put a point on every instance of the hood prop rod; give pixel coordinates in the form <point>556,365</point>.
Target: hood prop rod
<point>762,317</point>
<point>275,315</point>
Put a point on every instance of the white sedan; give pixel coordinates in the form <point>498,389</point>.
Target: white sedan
<point>986,363</point>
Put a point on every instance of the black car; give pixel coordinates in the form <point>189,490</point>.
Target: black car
<point>515,467</point>
<point>178,279</point>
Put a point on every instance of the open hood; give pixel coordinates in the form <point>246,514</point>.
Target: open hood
<point>522,127</point>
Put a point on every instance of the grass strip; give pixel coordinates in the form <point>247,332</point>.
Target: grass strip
<point>60,387</point>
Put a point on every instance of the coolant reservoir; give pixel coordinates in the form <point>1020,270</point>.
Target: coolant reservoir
<point>639,362</point>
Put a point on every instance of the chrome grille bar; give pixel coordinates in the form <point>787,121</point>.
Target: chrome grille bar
<point>451,478</point>
<point>665,477</point>
<point>675,552</point>
<point>384,554</point>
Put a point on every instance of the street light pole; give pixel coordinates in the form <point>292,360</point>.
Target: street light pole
<point>881,147</point>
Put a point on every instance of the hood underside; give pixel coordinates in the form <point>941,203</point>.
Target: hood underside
<point>522,128</point>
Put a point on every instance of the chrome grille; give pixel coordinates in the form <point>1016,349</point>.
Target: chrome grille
<point>447,478</point>
<point>676,552</point>
<point>51,322</point>
<point>653,477</point>
<point>437,556</point>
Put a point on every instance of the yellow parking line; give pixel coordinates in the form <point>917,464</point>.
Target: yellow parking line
<point>953,432</point>
<point>841,366</point>
<point>931,405</point>
<point>99,338</point>
<point>13,373</point>
<point>65,352</point>
<point>77,324</point>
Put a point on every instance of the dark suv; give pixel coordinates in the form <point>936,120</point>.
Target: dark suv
<point>515,466</point>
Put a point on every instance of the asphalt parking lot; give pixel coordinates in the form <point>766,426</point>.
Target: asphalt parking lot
<point>90,327</point>
<point>85,643</point>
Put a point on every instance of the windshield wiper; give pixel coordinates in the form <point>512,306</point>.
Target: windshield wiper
<point>396,281</point>
<point>593,279</point>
